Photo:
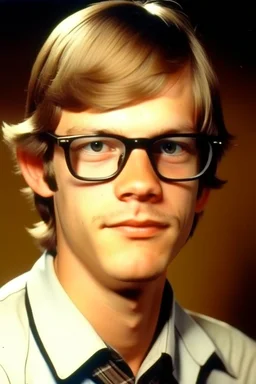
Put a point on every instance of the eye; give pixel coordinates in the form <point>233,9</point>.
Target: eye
<point>93,149</point>
<point>168,147</point>
<point>93,146</point>
<point>96,146</point>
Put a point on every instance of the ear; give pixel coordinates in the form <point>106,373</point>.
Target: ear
<point>32,169</point>
<point>202,200</point>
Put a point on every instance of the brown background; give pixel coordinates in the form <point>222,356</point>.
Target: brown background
<point>216,272</point>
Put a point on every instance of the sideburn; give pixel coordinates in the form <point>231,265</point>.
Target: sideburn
<point>49,175</point>
<point>197,216</point>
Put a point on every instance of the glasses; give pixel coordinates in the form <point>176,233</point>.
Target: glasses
<point>174,157</point>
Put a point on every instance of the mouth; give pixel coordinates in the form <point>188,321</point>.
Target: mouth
<point>139,229</point>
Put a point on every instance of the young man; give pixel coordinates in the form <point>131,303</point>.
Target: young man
<point>119,148</point>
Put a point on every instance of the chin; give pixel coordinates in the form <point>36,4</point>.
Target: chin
<point>141,276</point>
<point>137,267</point>
<point>141,279</point>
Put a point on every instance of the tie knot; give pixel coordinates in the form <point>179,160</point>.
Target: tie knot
<point>112,369</point>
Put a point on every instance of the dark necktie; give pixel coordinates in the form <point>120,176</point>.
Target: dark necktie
<point>213,363</point>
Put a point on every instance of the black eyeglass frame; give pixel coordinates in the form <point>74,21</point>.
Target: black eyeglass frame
<point>134,143</point>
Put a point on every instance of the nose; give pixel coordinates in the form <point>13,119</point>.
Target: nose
<point>138,180</point>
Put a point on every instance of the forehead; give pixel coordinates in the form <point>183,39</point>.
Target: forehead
<point>171,110</point>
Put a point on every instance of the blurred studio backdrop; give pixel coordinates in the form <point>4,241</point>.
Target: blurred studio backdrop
<point>216,272</point>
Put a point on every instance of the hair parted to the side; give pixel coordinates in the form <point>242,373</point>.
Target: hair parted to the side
<point>106,56</point>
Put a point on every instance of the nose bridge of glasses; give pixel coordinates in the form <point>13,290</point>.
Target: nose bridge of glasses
<point>139,143</point>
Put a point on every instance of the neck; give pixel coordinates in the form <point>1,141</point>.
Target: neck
<point>126,318</point>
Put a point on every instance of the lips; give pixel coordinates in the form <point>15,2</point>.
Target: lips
<point>139,229</point>
<point>138,224</point>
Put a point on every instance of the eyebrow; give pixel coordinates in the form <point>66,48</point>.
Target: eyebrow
<point>86,131</point>
<point>76,130</point>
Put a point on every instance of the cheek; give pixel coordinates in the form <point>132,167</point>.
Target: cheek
<point>182,196</point>
<point>182,200</point>
<point>73,193</point>
<point>81,200</point>
<point>77,203</point>
<point>75,209</point>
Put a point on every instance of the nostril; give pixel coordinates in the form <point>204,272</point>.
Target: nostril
<point>150,197</point>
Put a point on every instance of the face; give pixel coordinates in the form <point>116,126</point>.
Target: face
<point>126,230</point>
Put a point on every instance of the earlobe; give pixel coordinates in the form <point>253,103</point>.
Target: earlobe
<point>202,200</point>
<point>32,169</point>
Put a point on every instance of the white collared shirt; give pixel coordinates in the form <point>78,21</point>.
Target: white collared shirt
<point>70,340</point>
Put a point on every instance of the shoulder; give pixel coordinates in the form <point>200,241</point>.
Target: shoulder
<point>223,334</point>
<point>233,346</point>
<point>12,305</point>
<point>12,294</point>
<point>14,328</point>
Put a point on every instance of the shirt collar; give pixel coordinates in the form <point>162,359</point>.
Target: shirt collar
<point>190,333</point>
<point>199,346</point>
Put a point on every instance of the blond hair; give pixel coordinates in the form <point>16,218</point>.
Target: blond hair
<point>104,57</point>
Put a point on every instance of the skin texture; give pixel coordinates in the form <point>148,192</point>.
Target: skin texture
<point>101,263</point>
